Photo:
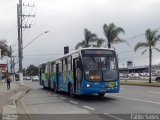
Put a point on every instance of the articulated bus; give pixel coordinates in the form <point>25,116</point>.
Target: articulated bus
<point>82,72</point>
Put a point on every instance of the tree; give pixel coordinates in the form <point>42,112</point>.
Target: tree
<point>5,50</point>
<point>32,70</point>
<point>152,38</point>
<point>89,39</point>
<point>99,42</point>
<point>111,32</point>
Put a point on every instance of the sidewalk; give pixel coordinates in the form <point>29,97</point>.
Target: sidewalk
<point>3,86</point>
<point>6,94</point>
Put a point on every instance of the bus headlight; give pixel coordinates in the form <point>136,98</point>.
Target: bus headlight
<point>116,84</point>
<point>88,85</point>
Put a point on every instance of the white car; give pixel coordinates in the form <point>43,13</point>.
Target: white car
<point>135,75</point>
<point>129,75</point>
<point>28,78</point>
<point>35,78</point>
<point>146,74</point>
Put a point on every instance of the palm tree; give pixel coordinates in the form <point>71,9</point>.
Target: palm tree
<point>89,39</point>
<point>5,50</point>
<point>99,42</point>
<point>151,39</point>
<point>111,32</point>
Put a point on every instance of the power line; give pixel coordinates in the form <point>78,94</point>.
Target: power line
<point>137,36</point>
<point>130,50</point>
<point>140,35</point>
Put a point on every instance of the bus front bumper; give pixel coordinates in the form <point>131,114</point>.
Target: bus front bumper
<point>91,90</point>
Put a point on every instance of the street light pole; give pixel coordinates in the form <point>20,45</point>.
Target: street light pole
<point>35,38</point>
<point>21,73</point>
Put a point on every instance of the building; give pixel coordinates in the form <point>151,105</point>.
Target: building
<point>3,69</point>
<point>141,69</point>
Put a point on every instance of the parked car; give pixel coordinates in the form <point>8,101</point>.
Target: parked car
<point>157,79</point>
<point>121,75</point>
<point>16,77</point>
<point>28,78</point>
<point>135,75</point>
<point>141,74</point>
<point>146,74</point>
<point>24,77</point>
<point>129,75</point>
<point>35,78</point>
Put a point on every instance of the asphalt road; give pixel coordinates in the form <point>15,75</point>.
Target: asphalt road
<point>132,101</point>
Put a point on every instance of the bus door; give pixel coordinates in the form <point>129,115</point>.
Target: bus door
<point>76,74</point>
<point>48,74</point>
<point>40,76</point>
<point>57,75</point>
<point>49,78</point>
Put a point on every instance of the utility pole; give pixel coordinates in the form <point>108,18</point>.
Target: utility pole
<point>20,19</point>
<point>21,44</point>
<point>7,66</point>
<point>13,69</point>
<point>11,62</point>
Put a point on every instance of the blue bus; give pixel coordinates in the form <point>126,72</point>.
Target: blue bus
<point>82,72</point>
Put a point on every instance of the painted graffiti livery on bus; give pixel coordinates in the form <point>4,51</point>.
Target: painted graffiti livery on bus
<point>84,71</point>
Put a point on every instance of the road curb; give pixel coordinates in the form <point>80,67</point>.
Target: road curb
<point>18,95</point>
<point>10,111</point>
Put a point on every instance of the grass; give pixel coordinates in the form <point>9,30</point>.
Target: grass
<point>154,84</point>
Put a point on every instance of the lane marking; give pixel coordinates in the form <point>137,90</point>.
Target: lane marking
<point>73,102</point>
<point>89,107</point>
<point>63,98</point>
<point>153,92</point>
<point>113,116</point>
<point>137,99</point>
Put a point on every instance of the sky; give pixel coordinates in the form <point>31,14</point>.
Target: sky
<point>66,20</point>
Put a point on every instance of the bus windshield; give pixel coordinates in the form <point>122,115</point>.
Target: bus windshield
<point>101,66</point>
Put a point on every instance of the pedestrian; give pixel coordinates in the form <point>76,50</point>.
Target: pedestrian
<point>8,81</point>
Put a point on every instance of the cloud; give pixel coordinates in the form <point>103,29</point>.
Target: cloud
<point>66,20</point>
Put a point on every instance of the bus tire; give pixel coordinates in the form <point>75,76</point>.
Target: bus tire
<point>101,94</point>
<point>44,87</point>
<point>71,94</point>
<point>55,88</point>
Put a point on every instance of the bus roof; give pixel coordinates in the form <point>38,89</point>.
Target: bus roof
<point>78,50</point>
<point>91,48</point>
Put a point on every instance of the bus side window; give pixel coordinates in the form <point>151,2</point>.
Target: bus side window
<point>52,67</point>
<point>64,64</point>
<point>61,66</point>
<point>69,61</point>
<point>66,61</point>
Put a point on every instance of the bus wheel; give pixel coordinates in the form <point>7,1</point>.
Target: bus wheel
<point>101,94</point>
<point>44,87</point>
<point>55,88</point>
<point>71,94</point>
